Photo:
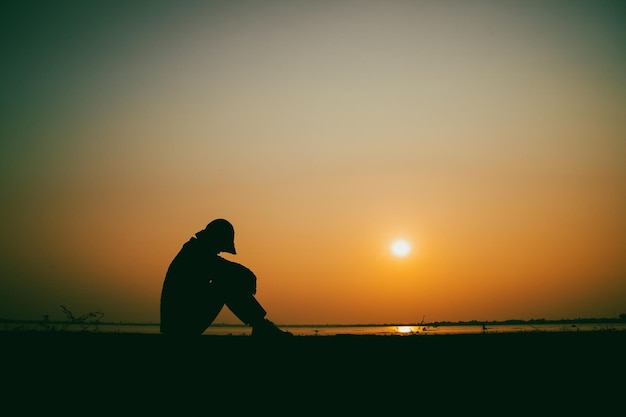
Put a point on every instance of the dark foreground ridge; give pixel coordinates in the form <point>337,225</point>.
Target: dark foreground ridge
<point>96,347</point>
<point>394,373</point>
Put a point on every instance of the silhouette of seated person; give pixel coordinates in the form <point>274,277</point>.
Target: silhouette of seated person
<point>199,283</point>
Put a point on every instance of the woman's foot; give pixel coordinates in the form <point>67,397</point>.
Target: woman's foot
<point>267,328</point>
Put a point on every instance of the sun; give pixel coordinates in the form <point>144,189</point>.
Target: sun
<point>400,248</point>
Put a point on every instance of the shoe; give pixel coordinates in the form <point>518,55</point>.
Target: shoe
<point>267,328</point>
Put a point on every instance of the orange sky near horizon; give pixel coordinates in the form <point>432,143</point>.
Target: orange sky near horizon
<point>491,135</point>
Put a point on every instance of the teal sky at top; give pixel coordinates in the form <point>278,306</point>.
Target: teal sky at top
<point>303,66</point>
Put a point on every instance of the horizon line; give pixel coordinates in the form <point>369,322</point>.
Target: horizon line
<point>621,317</point>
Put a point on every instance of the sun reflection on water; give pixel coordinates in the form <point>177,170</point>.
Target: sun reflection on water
<point>404,329</point>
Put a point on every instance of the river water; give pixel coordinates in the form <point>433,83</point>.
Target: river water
<point>332,330</point>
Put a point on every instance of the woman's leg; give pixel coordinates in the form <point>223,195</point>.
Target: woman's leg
<point>246,307</point>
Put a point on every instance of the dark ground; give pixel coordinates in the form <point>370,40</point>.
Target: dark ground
<point>545,373</point>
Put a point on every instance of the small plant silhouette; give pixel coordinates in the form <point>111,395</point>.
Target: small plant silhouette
<point>88,321</point>
<point>46,324</point>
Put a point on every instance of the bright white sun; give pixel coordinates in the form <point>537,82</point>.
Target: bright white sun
<point>400,248</point>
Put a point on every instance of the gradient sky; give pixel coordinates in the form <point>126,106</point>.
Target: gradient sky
<point>490,134</point>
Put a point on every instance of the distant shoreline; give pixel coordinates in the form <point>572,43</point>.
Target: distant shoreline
<point>429,324</point>
<point>87,334</point>
<point>405,330</point>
